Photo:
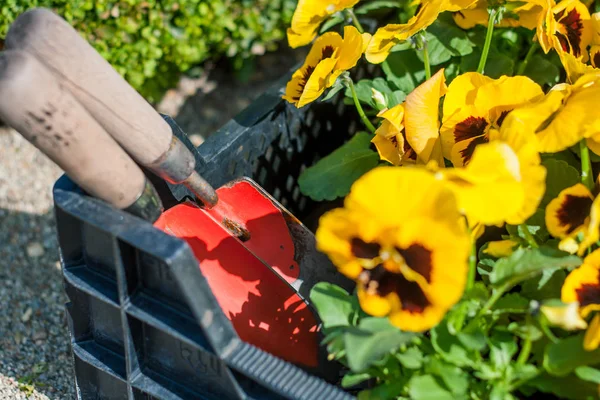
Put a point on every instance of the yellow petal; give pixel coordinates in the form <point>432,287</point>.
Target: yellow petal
<point>568,214</point>
<point>466,123</point>
<point>591,340</point>
<point>508,92</point>
<point>591,234</point>
<point>500,248</point>
<point>593,143</point>
<point>395,116</point>
<point>391,148</point>
<point>574,67</point>
<point>317,83</point>
<point>388,36</point>
<point>583,285</point>
<point>376,305</point>
<point>421,117</point>
<point>493,174</point>
<point>462,91</point>
<point>467,19</point>
<point>462,152</point>
<point>351,49</point>
<point>565,316</point>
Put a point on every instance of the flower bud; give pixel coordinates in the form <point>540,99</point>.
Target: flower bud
<point>379,99</point>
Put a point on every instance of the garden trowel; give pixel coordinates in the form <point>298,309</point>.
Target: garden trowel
<point>264,309</point>
<point>244,209</point>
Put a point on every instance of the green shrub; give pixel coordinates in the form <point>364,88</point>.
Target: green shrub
<point>151,42</point>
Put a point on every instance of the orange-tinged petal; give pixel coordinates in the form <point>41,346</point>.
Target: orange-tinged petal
<point>394,115</point>
<point>421,118</point>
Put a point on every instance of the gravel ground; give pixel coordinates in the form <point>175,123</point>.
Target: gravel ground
<point>35,358</point>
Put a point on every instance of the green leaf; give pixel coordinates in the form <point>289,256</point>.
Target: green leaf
<point>376,5</point>
<point>412,358</point>
<point>588,374</point>
<point>527,263</point>
<point>496,65</point>
<point>385,391</point>
<point>473,340</point>
<point>542,71</point>
<point>512,302</point>
<point>450,348</point>
<point>425,387</point>
<point>502,349</point>
<point>455,379</point>
<point>559,176</point>
<point>334,305</point>
<point>351,379</point>
<point>335,89</point>
<point>445,40</point>
<point>536,224</point>
<point>568,387</point>
<point>547,286</point>
<point>372,340</point>
<point>333,175</point>
<point>405,70</point>
<point>564,357</point>
<point>525,330</point>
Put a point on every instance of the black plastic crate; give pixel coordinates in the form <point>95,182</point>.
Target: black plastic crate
<point>143,321</point>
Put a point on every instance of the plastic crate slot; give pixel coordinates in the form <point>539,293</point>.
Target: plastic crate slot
<point>255,390</point>
<point>100,251</point>
<point>101,358</point>
<point>139,395</point>
<point>231,167</point>
<point>161,316</point>
<point>152,276</point>
<point>95,382</point>
<point>93,283</point>
<point>69,238</point>
<point>177,365</point>
<point>93,320</point>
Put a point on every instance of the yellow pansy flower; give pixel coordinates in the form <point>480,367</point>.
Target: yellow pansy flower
<point>474,104</point>
<point>309,15</point>
<point>389,138</point>
<point>566,27</point>
<point>563,116</point>
<point>329,56</point>
<point>408,254</point>
<point>595,45</point>
<point>519,13</point>
<point>574,212</point>
<point>390,35</point>
<point>583,286</point>
<point>506,172</point>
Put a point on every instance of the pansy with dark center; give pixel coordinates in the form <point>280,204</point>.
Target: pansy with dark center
<point>573,212</point>
<point>572,24</point>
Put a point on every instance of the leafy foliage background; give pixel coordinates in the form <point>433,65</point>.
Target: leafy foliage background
<point>151,42</point>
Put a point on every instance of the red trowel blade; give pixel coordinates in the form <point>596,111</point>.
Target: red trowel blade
<point>276,236</point>
<point>264,310</point>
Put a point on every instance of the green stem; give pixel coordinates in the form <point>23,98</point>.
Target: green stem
<point>472,266</point>
<point>547,331</point>
<point>359,108</point>
<point>355,20</point>
<point>426,59</point>
<point>525,352</point>
<point>586,166</point>
<point>519,383</point>
<point>487,306</point>
<point>528,236</point>
<point>528,56</point>
<point>488,41</point>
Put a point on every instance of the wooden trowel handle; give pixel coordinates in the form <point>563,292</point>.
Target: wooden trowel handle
<point>34,103</point>
<point>122,111</point>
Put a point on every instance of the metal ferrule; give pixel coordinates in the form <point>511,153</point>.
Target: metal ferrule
<point>176,164</point>
<point>203,191</point>
<point>148,205</point>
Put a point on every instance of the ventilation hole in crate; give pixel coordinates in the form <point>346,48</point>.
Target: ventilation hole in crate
<point>261,142</point>
<point>129,261</point>
<point>283,141</point>
<point>269,153</point>
<point>246,156</point>
<point>276,163</point>
<point>328,126</point>
<point>99,251</point>
<point>277,193</point>
<point>315,129</point>
<point>284,202</point>
<point>262,176</point>
<point>340,108</point>
<point>352,127</point>
<point>296,193</point>
<point>96,383</point>
<point>140,395</point>
<point>302,203</point>
<point>166,359</point>
<point>289,183</point>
